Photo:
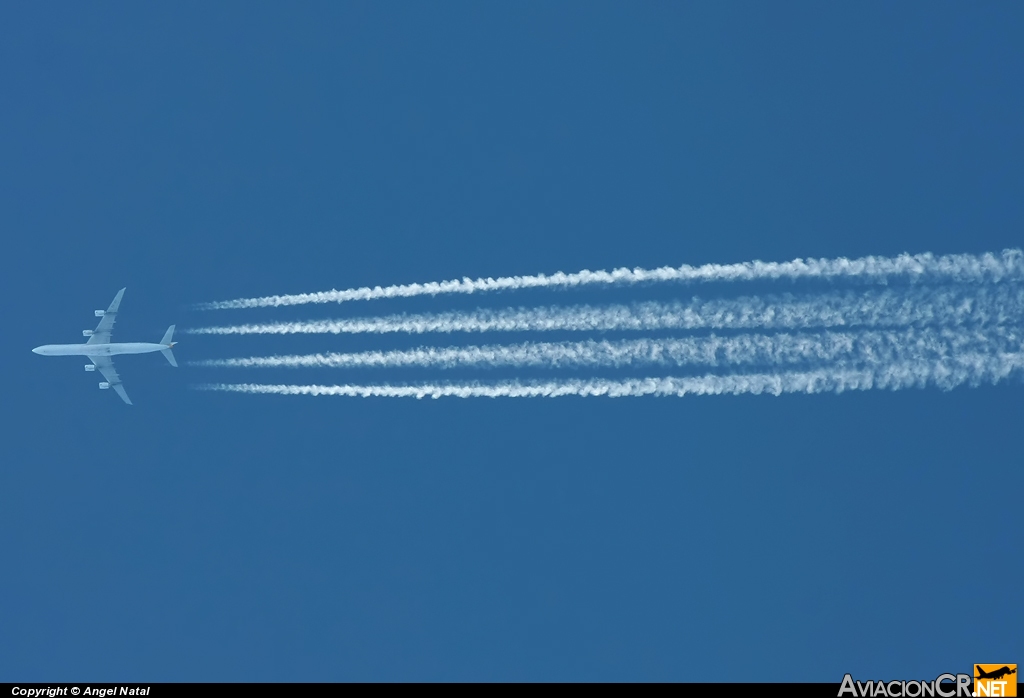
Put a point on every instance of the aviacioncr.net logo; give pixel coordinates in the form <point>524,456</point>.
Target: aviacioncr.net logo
<point>943,686</point>
<point>995,680</point>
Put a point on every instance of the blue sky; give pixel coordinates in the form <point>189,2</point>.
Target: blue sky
<point>196,152</point>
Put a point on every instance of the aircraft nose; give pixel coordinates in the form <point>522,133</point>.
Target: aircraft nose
<point>36,350</point>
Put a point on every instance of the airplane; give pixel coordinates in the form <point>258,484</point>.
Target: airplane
<point>99,348</point>
<point>994,674</point>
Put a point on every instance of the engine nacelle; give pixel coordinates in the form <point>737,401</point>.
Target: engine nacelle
<point>90,367</point>
<point>99,313</point>
<point>104,385</point>
<point>87,333</point>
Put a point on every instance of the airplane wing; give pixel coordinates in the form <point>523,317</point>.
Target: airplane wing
<point>106,367</point>
<point>101,335</point>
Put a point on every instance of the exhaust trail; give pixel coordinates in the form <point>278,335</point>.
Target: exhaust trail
<point>887,308</point>
<point>863,348</point>
<point>957,268</point>
<point>972,370</point>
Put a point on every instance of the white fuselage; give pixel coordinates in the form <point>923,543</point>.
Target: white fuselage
<point>98,349</point>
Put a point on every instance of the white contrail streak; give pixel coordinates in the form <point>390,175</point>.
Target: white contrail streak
<point>870,348</point>
<point>971,370</point>
<point>952,268</point>
<point>889,308</point>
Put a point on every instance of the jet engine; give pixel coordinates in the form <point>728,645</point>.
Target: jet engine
<point>90,367</point>
<point>87,333</point>
<point>104,385</point>
<point>99,313</point>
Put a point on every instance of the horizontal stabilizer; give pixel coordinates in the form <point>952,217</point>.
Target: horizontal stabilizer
<point>169,356</point>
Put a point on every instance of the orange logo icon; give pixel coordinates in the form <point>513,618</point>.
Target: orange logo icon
<point>995,680</point>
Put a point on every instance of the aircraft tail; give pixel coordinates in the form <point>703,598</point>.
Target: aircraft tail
<point>168,343</point>
<point>169,356</point>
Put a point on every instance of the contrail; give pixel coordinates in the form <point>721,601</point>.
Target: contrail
<point>887,308</point>
<point>959,268</point>
<point>948,374</point>
<point>870,348</point>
